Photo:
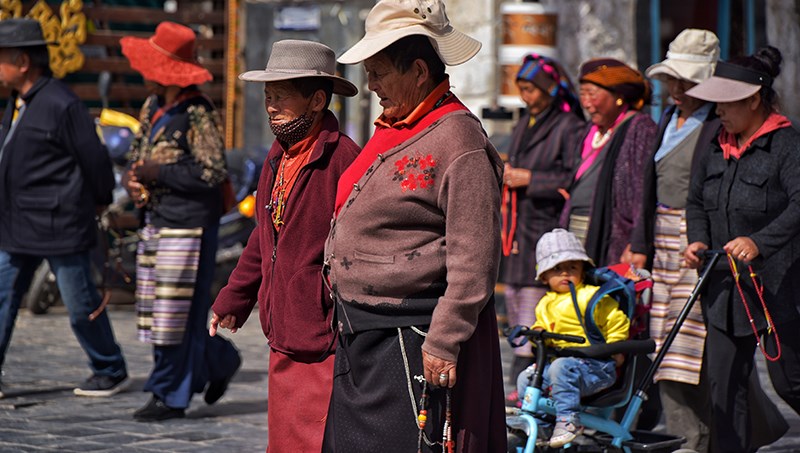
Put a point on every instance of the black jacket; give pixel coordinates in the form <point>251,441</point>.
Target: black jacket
<point>643,235</point>
<point>551,151</point>
<point>757,196</point>
<point>53,172</point>
<point>189,149</point>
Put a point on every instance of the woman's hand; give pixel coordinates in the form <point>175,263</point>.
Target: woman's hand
<point>638,260</point>
<point>226,322</point>
<point>742,248</point>
<point>435,369</point>
<point>692,254</point>
<point>516,177</point>
<point>627,255</point>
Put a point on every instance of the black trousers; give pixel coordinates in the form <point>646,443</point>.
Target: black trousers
<point>744,418</point>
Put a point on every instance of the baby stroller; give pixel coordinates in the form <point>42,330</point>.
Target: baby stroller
<point>528,426</point>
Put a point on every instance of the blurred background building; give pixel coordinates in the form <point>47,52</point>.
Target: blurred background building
<point>236,35</point>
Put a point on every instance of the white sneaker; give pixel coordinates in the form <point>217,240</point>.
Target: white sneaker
<point>102,386</point>
<point>564,433</point>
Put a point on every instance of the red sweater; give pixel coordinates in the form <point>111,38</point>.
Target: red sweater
<point>282,270</point>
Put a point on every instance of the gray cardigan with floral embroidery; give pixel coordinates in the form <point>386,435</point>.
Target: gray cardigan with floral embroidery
<point>404,253</point>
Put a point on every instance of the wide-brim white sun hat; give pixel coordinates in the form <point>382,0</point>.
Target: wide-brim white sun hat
<point>296,59</point>
<point>730,83</point>
<point>692,56</point>
<point>391,20</point>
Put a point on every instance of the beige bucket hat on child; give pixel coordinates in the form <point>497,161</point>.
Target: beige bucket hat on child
<point>390,20</point>
<point>691,56</point>
<point>296,59</point>
<point>556,247</point>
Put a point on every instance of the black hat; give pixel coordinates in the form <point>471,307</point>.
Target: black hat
<point>21,33</point>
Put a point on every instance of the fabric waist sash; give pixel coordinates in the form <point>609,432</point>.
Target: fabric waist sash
<point>355,317</point>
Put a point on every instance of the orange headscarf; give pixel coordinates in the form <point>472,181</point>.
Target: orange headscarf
<point>619,78</point>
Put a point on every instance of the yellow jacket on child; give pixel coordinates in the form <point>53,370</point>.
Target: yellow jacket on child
<point>556,313</point>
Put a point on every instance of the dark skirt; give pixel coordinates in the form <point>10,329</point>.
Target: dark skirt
<point>371,408</point>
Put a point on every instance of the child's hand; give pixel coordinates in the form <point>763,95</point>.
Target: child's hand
<point>619,359</point>
<point>524,380</point>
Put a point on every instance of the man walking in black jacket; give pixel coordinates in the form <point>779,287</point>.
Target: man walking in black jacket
<point>54,176</point>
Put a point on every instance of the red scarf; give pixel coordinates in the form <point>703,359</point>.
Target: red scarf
<point>730,146</point>
<point>384,139</point>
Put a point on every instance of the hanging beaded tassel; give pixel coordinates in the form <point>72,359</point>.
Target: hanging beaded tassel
<point>447,432</point>
<point>422,417</point>
<point>448,443</point>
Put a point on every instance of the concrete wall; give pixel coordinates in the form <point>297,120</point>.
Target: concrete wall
<point>586,29</point>
<point>783,32</point>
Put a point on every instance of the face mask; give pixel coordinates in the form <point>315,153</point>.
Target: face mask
<point>292,131</point>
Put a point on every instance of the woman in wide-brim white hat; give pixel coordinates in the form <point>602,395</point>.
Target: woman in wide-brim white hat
<point>685,130</point>
<point>743,198</point>
<point>416,309</point>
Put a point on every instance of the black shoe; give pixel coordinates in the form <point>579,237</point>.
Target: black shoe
<point>103,386</point>
<point>155,410</point>
<point>217,388</point>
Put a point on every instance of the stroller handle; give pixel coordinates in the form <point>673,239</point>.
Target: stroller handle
<point>534,334</point>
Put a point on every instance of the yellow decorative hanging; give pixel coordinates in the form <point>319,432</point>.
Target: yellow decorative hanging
<point>10,9</point>
<point>66,34</point>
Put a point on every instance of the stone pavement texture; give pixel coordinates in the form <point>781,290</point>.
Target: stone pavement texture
<point>40,413</point>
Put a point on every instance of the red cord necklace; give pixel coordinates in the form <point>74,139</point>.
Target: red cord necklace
<point>508,231</point>
<point>760,291</point>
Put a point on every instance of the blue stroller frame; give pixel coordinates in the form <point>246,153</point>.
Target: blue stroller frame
<point>596,413</point>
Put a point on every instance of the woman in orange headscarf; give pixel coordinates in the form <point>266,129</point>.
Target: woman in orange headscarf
<point>605,195</point>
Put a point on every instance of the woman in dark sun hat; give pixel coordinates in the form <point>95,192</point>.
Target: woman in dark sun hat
<point>176,174</point>
<point>745,198</point>
<point>413,253</point>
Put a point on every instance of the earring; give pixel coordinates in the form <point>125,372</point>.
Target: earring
<point>619,102</point>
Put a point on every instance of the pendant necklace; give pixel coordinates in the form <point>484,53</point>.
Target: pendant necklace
<point>279,195</point>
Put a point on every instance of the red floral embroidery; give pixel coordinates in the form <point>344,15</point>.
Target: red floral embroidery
<point>415,172</point>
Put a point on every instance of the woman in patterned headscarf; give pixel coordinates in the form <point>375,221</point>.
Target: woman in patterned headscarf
<point>541,160</point>
<point>605,194</point>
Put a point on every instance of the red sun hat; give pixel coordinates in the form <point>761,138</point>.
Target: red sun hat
<point>168,57</point>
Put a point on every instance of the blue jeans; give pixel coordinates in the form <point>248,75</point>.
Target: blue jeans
<point>572,378</point>
<point>80,296</point>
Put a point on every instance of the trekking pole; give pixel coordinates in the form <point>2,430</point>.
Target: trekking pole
<point>640,393</point>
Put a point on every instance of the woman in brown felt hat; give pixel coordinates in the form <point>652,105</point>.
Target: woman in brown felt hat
<point>605,194</point>
<point>413,253</point>
<point>280,267</point>
<point>745,198</point>
<point>177,167</point>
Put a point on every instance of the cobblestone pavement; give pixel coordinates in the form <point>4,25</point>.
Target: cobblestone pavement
<point>40,413</point>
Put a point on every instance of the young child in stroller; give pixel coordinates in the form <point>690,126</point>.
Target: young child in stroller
<point>561,265</point>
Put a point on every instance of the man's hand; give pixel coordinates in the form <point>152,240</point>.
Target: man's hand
<point>692,254</point>
<point>227,322</point>
<point>435,369</point>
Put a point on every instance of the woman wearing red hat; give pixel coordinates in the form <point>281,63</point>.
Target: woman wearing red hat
<point>176,172</point>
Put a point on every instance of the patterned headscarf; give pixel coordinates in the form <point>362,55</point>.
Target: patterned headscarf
<point>548,75</point>
<point>618,78</point>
